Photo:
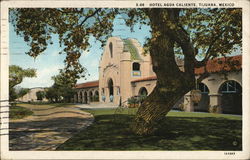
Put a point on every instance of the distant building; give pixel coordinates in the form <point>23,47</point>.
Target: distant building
<point>31,95</point>
<point>125,72</point>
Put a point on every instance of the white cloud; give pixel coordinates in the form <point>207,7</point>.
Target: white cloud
<point>43,78</point>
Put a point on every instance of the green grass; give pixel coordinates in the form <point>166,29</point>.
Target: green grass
<point>181,131</point>
<point>18,112</point>
<point>46,103</point>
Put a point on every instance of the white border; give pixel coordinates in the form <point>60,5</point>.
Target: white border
<point>4,61</point>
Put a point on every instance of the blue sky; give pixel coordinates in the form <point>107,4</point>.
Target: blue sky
<point>49,63</point>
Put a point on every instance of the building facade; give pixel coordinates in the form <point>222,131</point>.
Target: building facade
<point>31,95</point>
<point>124,72</point>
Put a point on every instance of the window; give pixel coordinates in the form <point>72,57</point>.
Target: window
<point>136,66</point>
<point>143,91</point>
<point>230,87</point>
<point>111,49</point>
<point>203,88</point>
<point>136,69</point>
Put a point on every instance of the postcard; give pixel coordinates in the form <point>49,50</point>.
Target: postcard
<point>125,79</point>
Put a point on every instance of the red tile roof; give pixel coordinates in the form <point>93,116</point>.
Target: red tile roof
<point>213,66</point>
<point>222,64</point>
<point>87,84</point>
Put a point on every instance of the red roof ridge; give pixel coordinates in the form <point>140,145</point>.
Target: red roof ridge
<point>145,79</point>
<point>88,84</point>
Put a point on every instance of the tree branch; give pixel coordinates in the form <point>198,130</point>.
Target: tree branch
<point>99,19</point>
<point>208,54</point>
<point>87,17</point>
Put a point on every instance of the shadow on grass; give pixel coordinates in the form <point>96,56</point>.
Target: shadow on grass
<point>177,133</point>
<point>18,112</point>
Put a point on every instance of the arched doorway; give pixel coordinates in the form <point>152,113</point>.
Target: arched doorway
<point>231,100</point>
<point>111,90</point>
<point>85,97</point>
<point>91,96</point>
<point>111,87</point>
<point>203,105</point>
<point>76,98</point>
<point>143,92</point>
<point>96,96</point>
<point>80,99</point>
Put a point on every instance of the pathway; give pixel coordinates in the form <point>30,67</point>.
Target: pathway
<point>48,127</point>
<point>95,105</point>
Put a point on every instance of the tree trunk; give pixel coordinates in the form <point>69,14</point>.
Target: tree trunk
<point>172,83</point>
<point>153,110</point>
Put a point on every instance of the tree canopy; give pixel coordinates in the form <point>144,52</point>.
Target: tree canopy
<point>16,76</point>
<point>212,31</point>
<point>62,89</point>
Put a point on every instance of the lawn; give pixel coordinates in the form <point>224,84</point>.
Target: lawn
<point>18,112</point>
<point>21,110</point>
<point>181,131</point>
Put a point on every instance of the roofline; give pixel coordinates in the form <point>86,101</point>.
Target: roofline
<point>87,82</point>
<point>151,78</point>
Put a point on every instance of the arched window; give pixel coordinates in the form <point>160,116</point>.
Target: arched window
<point>80,99</point>
<point>203,88</point>
<point>203,104</point>
<point>96,96</point>
<point>85,97</point>
<point>91,96</point>
<point>230,87</point>
<point>143,91</point>
<point>111,49</point>
<point>231,99</point>
<point>136,66</point>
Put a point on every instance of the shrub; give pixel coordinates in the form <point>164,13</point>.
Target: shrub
<point>141,98</point>
<point>182,107</point>
<point>214,109</point>
<point>135,101</point>
<point>132,101</point>
<point>40,95</point>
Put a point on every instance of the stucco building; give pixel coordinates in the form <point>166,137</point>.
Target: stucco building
<point>31,95</point>
<point>124,71</point>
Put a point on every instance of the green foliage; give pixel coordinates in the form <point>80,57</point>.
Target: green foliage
<point>40,95</point>
<point>22,91</point>
<point>214,109</point>
<point>73,25</point>
<point>214,31</point>
<point>135,101</point>
<point>62,89</point>
<point>182,107</point>
<point>12,94</point>
<point>16,76</point>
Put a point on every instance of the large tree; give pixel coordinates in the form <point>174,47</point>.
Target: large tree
<point>62,90</point>
<point>16,76</point>
<point>196,34</point>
